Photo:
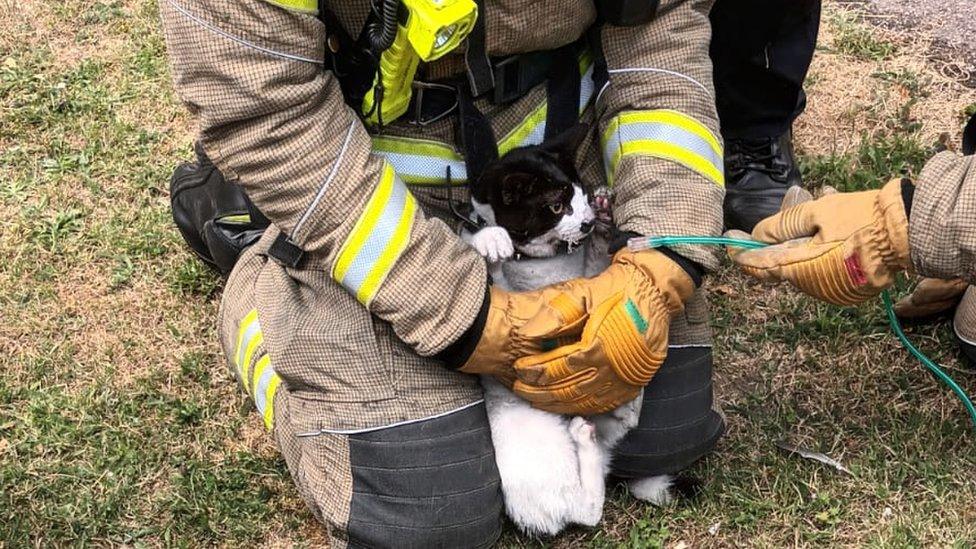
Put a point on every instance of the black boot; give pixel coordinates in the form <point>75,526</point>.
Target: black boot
<point>214,215</point>
<point>757,174</point>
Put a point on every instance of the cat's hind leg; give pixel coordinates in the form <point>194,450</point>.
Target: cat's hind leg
<point>593,463</point>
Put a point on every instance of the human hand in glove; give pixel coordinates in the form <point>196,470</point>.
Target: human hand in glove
<point>844,248</point>
<point>500,337</point>
<point>931,298</point>
<point>613,332</point>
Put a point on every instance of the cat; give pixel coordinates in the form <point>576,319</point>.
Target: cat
<point>531,206</point>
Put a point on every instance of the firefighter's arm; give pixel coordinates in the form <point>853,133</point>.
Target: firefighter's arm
<point>659,128</point>
<point>846,248</point>
<point>663,157</point>
<point>942,218</point>
<point>273,120</point>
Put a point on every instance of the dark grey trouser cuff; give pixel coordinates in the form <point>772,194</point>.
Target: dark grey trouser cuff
<point>678,425</point>
<point>428,484</point>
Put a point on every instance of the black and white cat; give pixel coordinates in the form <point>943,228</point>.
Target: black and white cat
<point>553,468</point>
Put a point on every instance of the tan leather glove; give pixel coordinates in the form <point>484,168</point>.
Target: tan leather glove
<point>931,297</point>
<point>842,248</point>
<point>501,340</point>
<point>613,329</point>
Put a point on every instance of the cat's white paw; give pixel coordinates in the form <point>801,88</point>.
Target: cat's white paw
<point>582,430</point>
<point>493,243</point>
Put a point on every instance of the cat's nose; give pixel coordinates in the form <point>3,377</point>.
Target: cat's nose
<point>586,227</point>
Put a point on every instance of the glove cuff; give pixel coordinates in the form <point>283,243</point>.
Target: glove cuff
<point>458,353</point>
<point>672,282</point>
<point>890,210</point>
<point>493,342</point>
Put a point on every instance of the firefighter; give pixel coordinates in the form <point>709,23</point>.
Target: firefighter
<point>356,319</point>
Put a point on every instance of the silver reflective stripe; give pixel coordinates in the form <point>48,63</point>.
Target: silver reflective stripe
<point>662,71</point>
<point>295,233</point>
<point>379,237</point>
<point>427,167</point>
<point>249,334</point>
<point>536,136</point>
<point>261,389</point>
<point>420,169</point>
<point>657,131</point>
<point>240,41</point>
<point>586,88</point>
<point>538,133</point>
<point>389,426</point>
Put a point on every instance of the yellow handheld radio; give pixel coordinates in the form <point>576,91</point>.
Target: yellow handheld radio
<point>425,30</point>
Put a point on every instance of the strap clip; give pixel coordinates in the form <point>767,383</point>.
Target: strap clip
<point>285,252</point>
<point>508,81</point>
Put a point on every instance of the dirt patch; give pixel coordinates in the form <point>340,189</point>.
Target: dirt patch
<point>950,26</point>
<point>850,98</point>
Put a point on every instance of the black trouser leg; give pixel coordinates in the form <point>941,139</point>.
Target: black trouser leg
<point>678,424</point>
<point>761,50</point>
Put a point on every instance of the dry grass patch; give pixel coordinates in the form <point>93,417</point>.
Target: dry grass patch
<point>852,95</point>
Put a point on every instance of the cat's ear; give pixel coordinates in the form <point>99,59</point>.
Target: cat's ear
<point>565,145</point>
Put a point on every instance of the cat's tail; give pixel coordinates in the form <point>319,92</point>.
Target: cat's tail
<point>664,489</point>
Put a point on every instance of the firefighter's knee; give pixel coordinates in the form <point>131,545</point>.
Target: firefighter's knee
<point>427,483</point>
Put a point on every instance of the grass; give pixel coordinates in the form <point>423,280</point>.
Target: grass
<point>857,40</point>
<point>119,424</point>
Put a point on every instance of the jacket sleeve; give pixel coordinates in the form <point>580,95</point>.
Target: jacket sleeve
<point>942,219</point>
<point>273,120</point>
<point>659,128</point>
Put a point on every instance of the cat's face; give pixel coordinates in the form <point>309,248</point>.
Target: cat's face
<point>532,192</point>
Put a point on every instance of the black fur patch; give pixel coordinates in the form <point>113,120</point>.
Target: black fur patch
<point>686,487</point>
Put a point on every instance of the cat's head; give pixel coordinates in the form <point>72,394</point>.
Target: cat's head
<point>534,194</point>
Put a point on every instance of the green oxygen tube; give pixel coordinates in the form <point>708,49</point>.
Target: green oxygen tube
<point>647,242</point>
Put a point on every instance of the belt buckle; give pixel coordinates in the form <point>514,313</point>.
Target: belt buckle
<point>419,89</point>
<point>508,79</point>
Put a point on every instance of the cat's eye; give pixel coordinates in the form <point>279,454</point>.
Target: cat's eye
<point>557,208</point>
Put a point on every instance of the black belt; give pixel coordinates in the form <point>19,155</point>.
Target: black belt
<point>515,76</point>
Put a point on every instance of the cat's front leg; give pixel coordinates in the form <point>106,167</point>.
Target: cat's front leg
<point>493,243</point>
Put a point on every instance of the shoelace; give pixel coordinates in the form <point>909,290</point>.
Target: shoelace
<point>757,156</point>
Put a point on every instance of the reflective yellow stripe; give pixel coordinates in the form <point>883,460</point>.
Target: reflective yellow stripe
<point>236,219</point>
<point>673,118</point>
<point>246,333</point>
<point>517,137</point>
<point>665,134</point>
<point>364,224</point>
<point>421,162</point>
<point>269,401</point>
<point>409,145</point>
<point>302,6</point>
<point>669,151</point>
<point>249,337</point>
<point>534,124</point>
<point>378,238</point>
<point>425,162</point>
<point>394,248</point>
